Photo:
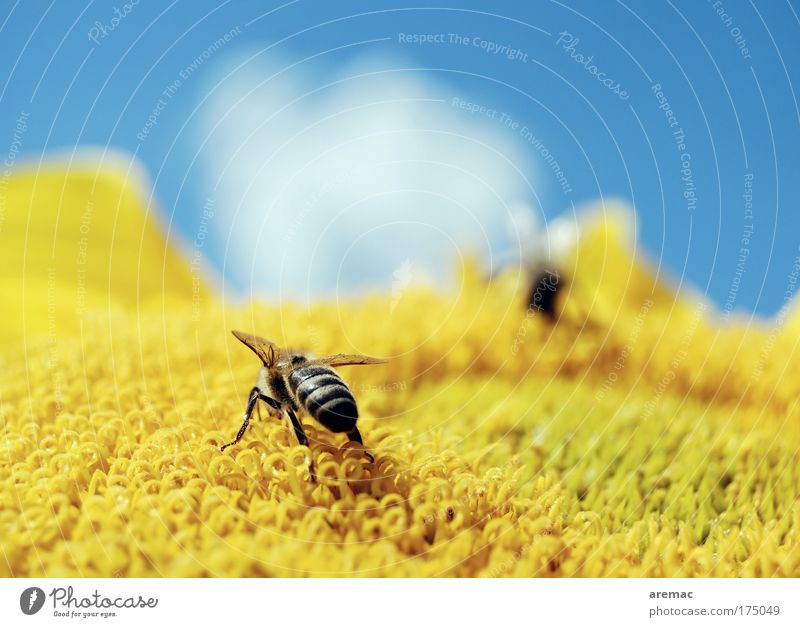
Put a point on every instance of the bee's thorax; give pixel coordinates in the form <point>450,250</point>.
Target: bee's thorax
<point>273,384</point>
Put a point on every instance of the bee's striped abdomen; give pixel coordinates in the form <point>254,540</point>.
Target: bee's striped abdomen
<point>323,394</point>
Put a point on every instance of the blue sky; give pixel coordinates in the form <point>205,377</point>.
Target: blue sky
<point>399,133</point>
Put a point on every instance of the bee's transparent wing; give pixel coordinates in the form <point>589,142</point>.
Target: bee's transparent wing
<point>265,349</point>
<point>343,359</point>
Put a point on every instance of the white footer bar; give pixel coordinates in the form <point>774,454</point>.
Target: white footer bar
<point>386,603</point>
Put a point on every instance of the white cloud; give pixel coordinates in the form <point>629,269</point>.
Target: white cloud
<point>329,183</point>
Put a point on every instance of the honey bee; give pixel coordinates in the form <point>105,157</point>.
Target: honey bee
<point>546,285</point>
<point>542,252</point>
<point>290,382</point>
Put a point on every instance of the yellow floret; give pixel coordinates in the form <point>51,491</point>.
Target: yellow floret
<point>637,436</point>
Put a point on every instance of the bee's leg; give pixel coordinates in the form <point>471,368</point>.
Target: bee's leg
<point>251,403</point>
<point>355,436</point>
<point>303,439</point>
<point>298,428</point>
<point>272,403</point>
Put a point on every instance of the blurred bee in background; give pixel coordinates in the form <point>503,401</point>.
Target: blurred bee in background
<point>544,291</point>
<point>541,256</point>
<point>290,382</point>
